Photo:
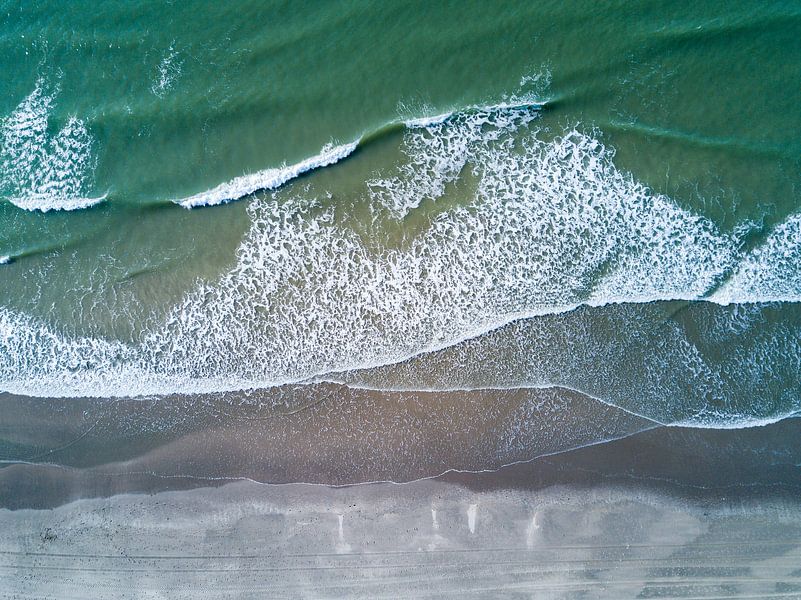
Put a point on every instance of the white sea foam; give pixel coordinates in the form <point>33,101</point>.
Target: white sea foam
<point>5,259</point>
<point>552,225</point>
<point>438,148</point>
<point>497,115</point>
<point>47,202</point>
<point>731,366</point>
<point>169,69</point>
<point>43,171</point>
<point>427,121</point>
<point>268,179</point>
<point>769,272</point>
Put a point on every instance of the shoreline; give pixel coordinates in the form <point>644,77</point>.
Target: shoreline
<point>133,499</point>
<point>698,464</point>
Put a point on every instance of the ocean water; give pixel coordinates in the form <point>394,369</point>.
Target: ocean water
<point>575,214</point>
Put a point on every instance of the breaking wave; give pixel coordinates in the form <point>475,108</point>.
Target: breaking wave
<point>271,179</point>
<point>268,179</point>
<point>547,225</point>
<point>42,170</point>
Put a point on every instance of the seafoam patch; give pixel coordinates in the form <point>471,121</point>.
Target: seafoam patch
<point>167,72</point>
<point>42,169</point>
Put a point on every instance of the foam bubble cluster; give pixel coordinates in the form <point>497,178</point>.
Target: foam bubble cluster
<point>169,69</point>
<point>550,224</point>
<point>771,271</point>
<point>40,169</point>
<point>438,148</point>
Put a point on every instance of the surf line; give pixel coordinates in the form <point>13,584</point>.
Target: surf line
<point>273,178</point>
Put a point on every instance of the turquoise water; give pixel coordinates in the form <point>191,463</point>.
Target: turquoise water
<point>373,182</point>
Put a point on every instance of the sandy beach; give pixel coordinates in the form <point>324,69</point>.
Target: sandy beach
<point>143,510</point>
<point>429,539</point>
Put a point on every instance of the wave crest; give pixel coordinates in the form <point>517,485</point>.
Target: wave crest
<point>268,179</point>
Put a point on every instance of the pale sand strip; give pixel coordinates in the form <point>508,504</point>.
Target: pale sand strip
<point>425,539</point>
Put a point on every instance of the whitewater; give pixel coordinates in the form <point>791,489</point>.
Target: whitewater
<point>551,225</point>
<point>43,170</point>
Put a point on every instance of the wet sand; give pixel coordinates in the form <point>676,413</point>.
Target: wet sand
<point>328,434</point>
<point>57,451</point>
<point>167,496</point>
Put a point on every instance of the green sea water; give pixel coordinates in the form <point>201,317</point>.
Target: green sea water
<point>596,153</point>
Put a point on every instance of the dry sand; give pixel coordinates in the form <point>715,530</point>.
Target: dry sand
<point>428,539</point>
